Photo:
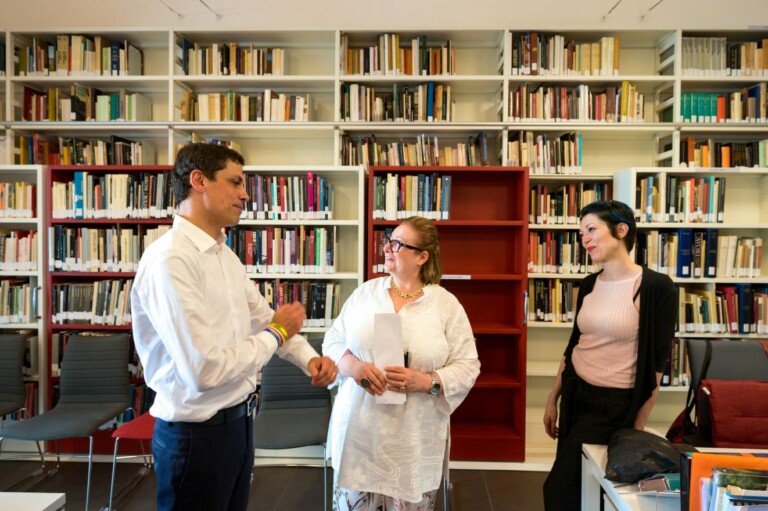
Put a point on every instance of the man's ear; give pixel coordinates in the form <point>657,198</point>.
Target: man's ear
<point>197,180</point>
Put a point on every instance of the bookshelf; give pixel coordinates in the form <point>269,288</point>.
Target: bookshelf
<point>488,219</point>
<point>490,71</point>
<point>343,225</point>
<point>22,289</point>
<point>99,219</point>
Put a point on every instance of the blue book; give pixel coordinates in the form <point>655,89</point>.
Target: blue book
<point>446,198</point>
<point>430,100</point>
<point>684,252</point>
<point>745,297</point>
<point>77,202</point>
<point>710,258</point>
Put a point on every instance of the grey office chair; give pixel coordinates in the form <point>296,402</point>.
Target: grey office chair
<point>291,412</point>
<point>728,360</point>
<point>93,388</point>
<point>11,373</point>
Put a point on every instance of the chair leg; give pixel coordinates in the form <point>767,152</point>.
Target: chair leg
<point>325,478</point>
<point>90,467</point>
<point>446,493</point>
<point>112,481</point>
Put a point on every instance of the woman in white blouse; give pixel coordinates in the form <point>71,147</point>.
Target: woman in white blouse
<point>390,456</point>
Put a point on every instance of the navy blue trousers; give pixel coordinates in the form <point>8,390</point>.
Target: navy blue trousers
<point>205,467</point>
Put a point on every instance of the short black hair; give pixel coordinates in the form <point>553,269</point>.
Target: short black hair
<point>208,158</point>
<point>613,213</point>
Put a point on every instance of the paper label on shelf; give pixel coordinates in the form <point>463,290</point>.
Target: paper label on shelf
<point>456,277</point>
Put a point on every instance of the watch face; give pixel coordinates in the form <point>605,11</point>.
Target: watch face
<point>435,389</point>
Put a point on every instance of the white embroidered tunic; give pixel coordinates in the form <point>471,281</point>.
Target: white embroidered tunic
<point>398,450</point>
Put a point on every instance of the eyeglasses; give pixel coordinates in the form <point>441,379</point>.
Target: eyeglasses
<point>395,245</point>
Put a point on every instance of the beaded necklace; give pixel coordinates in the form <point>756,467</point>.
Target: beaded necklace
<point>403,295</point>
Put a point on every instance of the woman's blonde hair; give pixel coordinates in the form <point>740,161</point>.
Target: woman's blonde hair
<point>432,270</point>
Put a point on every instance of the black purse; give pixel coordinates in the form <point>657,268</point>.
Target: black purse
<point>634,455</point>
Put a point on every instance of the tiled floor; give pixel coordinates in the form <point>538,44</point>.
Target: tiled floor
<point>282,488</point>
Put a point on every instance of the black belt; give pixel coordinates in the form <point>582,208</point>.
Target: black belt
<point>226,415</point>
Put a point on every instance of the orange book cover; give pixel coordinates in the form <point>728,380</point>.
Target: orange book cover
<point>721,109</point>
<point>702,464</point>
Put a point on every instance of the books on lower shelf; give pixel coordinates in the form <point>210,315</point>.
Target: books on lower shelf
<point>321,300</point>
<point>728,309</point>
<point>422,151</point>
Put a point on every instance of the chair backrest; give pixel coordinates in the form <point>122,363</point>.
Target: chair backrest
<point>12,371</point>
<point>94,369</point>
<point>730,360</point>
<point>283,385</point>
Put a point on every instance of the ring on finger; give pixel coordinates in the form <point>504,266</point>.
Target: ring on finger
<point>402,388</point>
<point>365,383</point>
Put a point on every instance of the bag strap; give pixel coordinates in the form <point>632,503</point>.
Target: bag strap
<point>690,400</point>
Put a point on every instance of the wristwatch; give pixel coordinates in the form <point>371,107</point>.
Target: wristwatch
<point>435,388</point>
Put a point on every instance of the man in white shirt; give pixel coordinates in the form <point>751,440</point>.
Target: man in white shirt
<point>202,332</point>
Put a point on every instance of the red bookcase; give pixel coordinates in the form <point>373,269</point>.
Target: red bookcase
<point>484,252</point>
<point>54,276</point>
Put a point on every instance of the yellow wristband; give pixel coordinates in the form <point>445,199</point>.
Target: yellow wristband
<point>280,328</point>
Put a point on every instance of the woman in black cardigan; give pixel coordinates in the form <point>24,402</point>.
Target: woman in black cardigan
<point>611,369</point>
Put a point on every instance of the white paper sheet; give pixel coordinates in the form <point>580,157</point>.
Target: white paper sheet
<point>388,351</point>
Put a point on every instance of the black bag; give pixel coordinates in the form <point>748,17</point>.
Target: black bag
<point>634,455</point>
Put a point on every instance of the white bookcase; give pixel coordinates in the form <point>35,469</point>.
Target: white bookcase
<point>654,62</point>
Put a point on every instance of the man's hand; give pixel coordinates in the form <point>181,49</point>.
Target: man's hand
<point>323,371</point>
<point>291,316</point>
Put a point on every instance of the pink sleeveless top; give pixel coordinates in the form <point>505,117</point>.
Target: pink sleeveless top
<point>606,355</point>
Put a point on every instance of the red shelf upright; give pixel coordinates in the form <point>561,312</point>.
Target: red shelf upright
<point>484,251</point>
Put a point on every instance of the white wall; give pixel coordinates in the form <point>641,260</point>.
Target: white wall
<point>385,14</point>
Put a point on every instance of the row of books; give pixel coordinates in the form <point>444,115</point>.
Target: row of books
<point>546,154</point>
<point>677,369</point>
<point>18,199</point>
<point>37,149</point>
<point>288,197</point>
<point>558,252</point>
<point>321,300</point>
<point>285,249</point>
<point>728,309</point>
<point>16,302</point>
<point>683,199</point>
<point>266,106</point>
<point>423,151</point>
<point>561,204</point>
<point>693,253</point>
<point>711,153</point>
<point>102,302</point>
<point>423,103</point>
<point>18,250</point>
<point>537,102</point>
<point>228,59</point>
<point>135,195</point>
<point>387,57</point>
<point>734,489</point>
<point>89,249</point>
<point>749,105</point>
<point>78,54</point>
<point>82,103</point>
<point>534,53</point>
<point>401,196</point>
<point>716,56</point>
<point>552,300</point>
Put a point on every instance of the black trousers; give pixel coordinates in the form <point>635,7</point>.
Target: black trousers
<point>588,415</point>
<point>204,466</point>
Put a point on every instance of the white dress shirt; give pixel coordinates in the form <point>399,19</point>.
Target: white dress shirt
<point>198,326</point>
<point>398,450</point>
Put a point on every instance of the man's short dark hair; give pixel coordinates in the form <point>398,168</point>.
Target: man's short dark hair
<point>208,158</point>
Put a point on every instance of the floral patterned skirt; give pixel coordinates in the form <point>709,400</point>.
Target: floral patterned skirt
<point>351,500</point>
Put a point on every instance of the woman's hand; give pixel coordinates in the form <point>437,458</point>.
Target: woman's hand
<point>403,379</point>
<point>369,377</point>
<point>550,419</point>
